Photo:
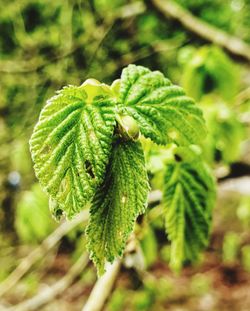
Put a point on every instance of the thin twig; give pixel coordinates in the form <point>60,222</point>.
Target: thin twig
<point>102,288</point>
<point>154,196</point>
<point>239,185</point>
<point>242,97</point>
<point>40,251</point>
<point>55,290</point>
<point>217,36</point>
<point>49,243</point>
<point>104,285</point>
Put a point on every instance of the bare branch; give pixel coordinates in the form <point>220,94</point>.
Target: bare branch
<point>242,97</point>
<point>53,291</point>
<point>102,288</point>
<point>232,44</point>
<point>40,251</point>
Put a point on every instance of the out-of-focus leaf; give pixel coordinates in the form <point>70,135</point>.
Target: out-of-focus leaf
<point>189,196</point>
<point>33,221</point>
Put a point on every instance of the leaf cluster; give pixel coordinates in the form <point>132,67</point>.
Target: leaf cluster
<point>85,150</point>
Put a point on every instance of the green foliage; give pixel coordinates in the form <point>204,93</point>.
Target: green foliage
<point>208,70</point>
<point>243,211</point>
<point>46,44</point>
<point>71,142</point>
<point>245,251</point>
<point>71,145</point>
<point>149,246</point>
<point>230,16</point>
<point>162,110</point>
<point>230,248</point>
<point>189,195</point>
<point>200,284</point>
<point>33,222</point>
<point>117,203</point>
<point>153,294</point>
<point>216,85</point>
<point>225,132</point>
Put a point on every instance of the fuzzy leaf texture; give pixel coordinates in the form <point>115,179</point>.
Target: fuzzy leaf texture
<point>71,145</point>
<point>163,112</point>
<point>189,195</point>
<point>117,203</point>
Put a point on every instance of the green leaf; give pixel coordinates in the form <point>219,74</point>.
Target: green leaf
<point>163,112</point>
<point>117,203</point>
<point>32,206</point>
<point>226,132</point>
<point>189,195</point>
<point>210,70</point>
<point>71,145</point>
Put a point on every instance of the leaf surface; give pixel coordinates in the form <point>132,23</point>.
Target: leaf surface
<point>117,203</point>
<point>163,112</point>
<point>189,195</point>
<point>71,145</point>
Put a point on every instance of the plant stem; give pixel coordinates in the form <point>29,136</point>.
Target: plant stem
<point>53,291</point>
<point>41,251</point>
<point>102,288</point>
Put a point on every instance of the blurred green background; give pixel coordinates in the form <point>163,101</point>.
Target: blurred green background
<point>45,45</point>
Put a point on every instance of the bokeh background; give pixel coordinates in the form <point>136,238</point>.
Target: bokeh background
<point>45,45</point>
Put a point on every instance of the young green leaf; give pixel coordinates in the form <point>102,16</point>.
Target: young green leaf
<point>210,70</point>
<point>117,203</point>
<point>71,145</point>
<point>189,196</point>
<point>163,112</point>
<point>226,132</point>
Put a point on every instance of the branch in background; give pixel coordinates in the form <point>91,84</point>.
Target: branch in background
<point>132,257</point>
<point>130,10</point>
<point>242,97</point>
<point>49,243</point>
<point>154,196</point>
<point>53,291</point>
<point>102,288</point>
<point>232,44</point>
<point>104,285</point>
<point>236,170</point>
<point>239,185</point>
<point>40,251</point>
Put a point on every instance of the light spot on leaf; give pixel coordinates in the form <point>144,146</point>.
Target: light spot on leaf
<point>124,199</point>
